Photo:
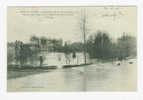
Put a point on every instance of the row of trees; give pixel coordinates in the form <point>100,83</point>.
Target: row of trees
<point>101,46</point>
<point>24,52</point>
<point>57,45</point>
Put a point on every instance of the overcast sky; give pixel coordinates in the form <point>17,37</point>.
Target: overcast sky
<point>64,22</point>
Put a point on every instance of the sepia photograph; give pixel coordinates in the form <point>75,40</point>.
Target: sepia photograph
<point>71,48</point>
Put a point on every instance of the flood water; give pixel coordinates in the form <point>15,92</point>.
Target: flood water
<point>95,77</point>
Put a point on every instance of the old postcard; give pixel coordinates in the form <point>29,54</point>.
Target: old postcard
<point>71,48</point>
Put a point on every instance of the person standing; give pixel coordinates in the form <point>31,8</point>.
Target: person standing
<point>41,61</point>
<point>74,56</point>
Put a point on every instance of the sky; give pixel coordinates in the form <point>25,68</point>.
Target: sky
<point>64,22</point>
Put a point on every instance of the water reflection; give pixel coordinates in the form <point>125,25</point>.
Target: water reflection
<point>90,78</point>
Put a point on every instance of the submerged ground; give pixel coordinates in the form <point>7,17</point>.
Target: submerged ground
<point>96,77</point>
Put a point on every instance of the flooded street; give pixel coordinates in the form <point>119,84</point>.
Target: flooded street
<point>95,77</point>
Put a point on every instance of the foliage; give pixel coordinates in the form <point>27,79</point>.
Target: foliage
<point>102,47</point>
<point>99,46</point>
<point>10,53</point>
<point>126,46</point>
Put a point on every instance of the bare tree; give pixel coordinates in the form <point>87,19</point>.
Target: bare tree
<point>83,28</point>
